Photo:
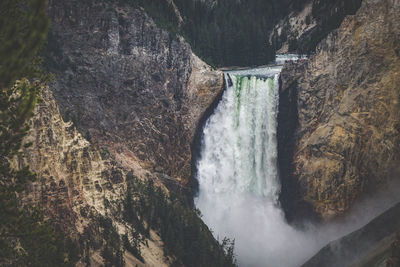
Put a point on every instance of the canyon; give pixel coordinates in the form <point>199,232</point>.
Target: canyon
<point>340,115</point>
<point>130,100</point>
<point>127,100</point>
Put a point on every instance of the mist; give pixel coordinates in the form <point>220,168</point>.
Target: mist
<point>239,184</point>
<point>264,238</point>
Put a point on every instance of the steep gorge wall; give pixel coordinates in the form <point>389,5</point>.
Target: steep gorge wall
<point>372,245</point>
<point>309,22</point>
<point>77,184</point>
<point>131,87</point>
<point>347,113</point>
<point>132,97</point>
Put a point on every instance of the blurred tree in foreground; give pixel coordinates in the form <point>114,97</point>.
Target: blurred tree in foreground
<point>25,238</point>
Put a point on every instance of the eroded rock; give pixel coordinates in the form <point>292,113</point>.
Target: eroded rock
<point>137,90</point>
<point>346,142</point>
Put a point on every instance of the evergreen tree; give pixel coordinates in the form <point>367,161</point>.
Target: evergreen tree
<point>25,239</point>
<point>186,238</point>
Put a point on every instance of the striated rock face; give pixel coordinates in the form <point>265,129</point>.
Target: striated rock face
<point>69,170</point>
<point>77,182</point>
<point>129,85</point>
<point>132,97</point>
<point>346,141</point>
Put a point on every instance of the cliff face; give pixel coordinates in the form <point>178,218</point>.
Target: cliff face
<point>346,142</point>
<point>371,245</point>
<point>132,97</point>
<point>128,85</point>
<point>78,184</point>
<point>69,170</point>
<point>309,22</point>
<point>291,28</point>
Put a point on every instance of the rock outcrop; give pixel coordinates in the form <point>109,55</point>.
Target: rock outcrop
<point>131,97</point>
<point>345,141</point>
<point>77,182</point>
<point>309,22</point>
<point>370,245</point>
<point>291,28</point>
<point>129,86</point>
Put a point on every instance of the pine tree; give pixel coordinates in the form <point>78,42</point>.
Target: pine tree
<point>25,239</point>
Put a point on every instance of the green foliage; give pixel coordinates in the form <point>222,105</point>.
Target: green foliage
<point>104,153</point>
<point>101,234</point>
<point>133,245</point>
<point>230,33</point>
<point>161,11</point>
<point>185,236</point>
<point>111,252</point>
<point>23,31</point>
<point>225,33</point>
<point>40,244</point>
<point>25,238</point>
<point>235,33</point>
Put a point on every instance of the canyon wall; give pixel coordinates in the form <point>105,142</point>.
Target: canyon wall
<point>78,184</point>
<point>344,106</point>
<point>375,244</point>
<point>125,104</point>
<point>128,85</point>
<point>133,95</point>
<point>309,22</point>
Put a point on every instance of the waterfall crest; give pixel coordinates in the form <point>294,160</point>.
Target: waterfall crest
<point>237,169</point>
<point>239,150</point>
<point>239,183</point>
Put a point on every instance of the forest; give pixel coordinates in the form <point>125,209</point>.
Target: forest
<point>187,239</point>
<point>26,238</point>
<point>225,32</point>
<point>236,33</point>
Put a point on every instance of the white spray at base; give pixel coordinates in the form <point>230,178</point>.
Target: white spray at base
<point>238,177</point>
<point>237,172</point>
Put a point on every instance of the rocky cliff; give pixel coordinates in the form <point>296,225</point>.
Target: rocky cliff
<point>129,86</point>
<point>128,98</point>
<point>344,139</point>
<point>78,185</point>
<point>374,244</point>
<point>110,214</point>
<point>309,22</point>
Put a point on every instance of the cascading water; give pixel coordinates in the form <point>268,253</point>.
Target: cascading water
<point>239,183</point>
<point>240,141</point>
<point>237,170</point>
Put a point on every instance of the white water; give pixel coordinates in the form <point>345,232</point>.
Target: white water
<point>281,58</point>
<point>238,177</point>
<point>237,172</point>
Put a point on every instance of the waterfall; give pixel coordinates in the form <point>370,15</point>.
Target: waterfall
<point>239,146</point>
<point>237,170</point>
<point>239,183</point>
